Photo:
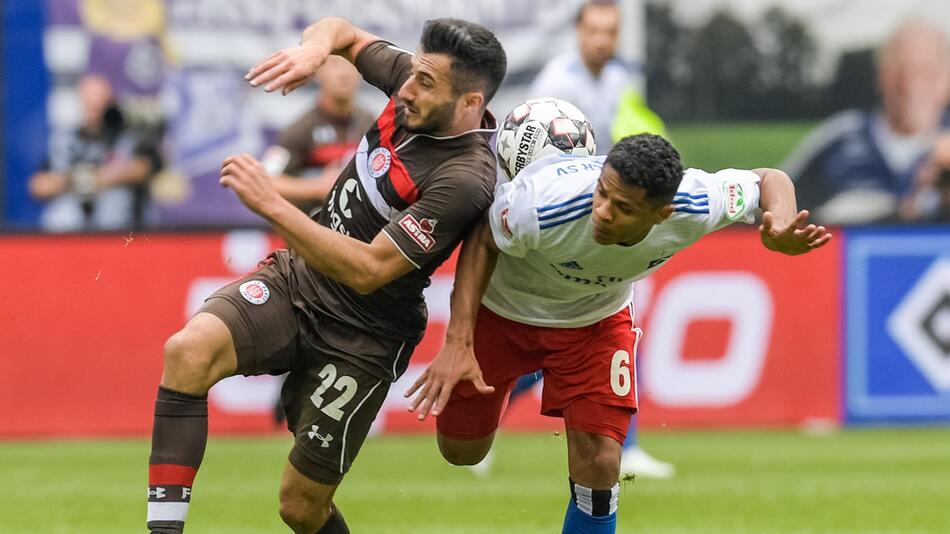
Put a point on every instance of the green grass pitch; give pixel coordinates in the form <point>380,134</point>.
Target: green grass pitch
<point>855,481</point>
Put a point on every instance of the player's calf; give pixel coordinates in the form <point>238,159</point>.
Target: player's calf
<point>594,465</point>
<point>195,359</point>
<point>306,506</point>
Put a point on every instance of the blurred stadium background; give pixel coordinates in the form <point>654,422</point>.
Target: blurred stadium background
<point>821,407</point>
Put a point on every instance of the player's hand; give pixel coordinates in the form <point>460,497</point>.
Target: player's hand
<point>246,177</point>
<point>795,238</point>
<point>287,69</point>
<point>454,363</point>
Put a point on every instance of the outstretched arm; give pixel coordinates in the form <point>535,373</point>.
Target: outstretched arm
<point>364,267</point>
<point>456,361</point>
<point>784,229</point>
<point>292,67</point>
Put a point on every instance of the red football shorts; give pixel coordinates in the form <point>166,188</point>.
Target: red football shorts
<point>589,375</point>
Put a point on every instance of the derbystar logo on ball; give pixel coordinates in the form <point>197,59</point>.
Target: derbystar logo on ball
<point>255,292</point>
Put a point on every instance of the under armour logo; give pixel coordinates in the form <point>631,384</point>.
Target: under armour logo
<point>315,434</point>
<point>158,492</point>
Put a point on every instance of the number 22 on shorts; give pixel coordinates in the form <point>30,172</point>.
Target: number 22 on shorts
<point>346,385</point>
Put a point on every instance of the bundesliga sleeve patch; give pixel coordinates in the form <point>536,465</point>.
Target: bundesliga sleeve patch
<point>255,292</point>
<point>419,231</point>
<point>734,199</point>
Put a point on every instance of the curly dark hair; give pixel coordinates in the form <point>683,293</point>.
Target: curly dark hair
<point>478,60</point>
<point>648,161</point>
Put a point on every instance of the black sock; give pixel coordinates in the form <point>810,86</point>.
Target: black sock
<point>335,524</point>
<point>179,435</point>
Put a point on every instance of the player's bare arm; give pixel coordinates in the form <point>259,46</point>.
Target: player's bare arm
<point>456,361</point>
<point>292,67</point>
<point>785,229</point>
<point>364,267</point>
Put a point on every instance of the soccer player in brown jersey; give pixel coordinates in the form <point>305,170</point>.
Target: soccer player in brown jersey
<point>343,310</point>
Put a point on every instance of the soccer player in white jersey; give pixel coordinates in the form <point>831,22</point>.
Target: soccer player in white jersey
<point>569,236</point>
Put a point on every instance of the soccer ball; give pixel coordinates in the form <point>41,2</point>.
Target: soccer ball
<point>541,127</point>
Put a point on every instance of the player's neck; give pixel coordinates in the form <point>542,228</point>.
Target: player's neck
<point>465,124</point>
<point>636,238</point>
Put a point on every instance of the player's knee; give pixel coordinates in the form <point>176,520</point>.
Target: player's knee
<point>188,363</point>
<point>299,511</point>
<point>460,452</point>
<point>602,467</point>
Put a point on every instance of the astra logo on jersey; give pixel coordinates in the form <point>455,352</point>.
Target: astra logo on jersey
<point>255,292</point>
<point>379,161</point>
<point>420,232</point>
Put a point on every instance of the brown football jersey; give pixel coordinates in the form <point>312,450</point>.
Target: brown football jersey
<point>424,193</point>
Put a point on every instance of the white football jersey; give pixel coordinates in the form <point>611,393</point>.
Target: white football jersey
<point>551,271</point>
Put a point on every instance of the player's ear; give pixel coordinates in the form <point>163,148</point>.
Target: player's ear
<point>474,100</point>
<point>662,213</point>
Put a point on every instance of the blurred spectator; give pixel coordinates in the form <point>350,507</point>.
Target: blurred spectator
<point>861,167</point>
<point>590,77</point>
<point>97,179</point>
<point>312,151</point>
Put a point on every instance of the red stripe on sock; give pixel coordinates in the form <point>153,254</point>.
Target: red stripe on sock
<point>171,475</point>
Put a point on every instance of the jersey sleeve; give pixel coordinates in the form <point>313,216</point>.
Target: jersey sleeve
<point>513,219</point>
<point>733,196</point>
<point>442,216</point>
<point>384,65</point>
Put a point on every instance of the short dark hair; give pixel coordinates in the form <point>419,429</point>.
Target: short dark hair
<point>478,60</point>
<point>592,3</point>
<point>648,161</point>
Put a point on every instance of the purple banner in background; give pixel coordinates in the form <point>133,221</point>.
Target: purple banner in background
<point>181,62</point>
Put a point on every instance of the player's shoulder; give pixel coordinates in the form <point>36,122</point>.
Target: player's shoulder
<point>470,171</point>
<point>691,200</point>
<point>697,200</point>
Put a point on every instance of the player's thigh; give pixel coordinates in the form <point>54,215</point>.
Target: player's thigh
<point>591,382</point>
<point>502,357</point>
<point>258,312</point>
